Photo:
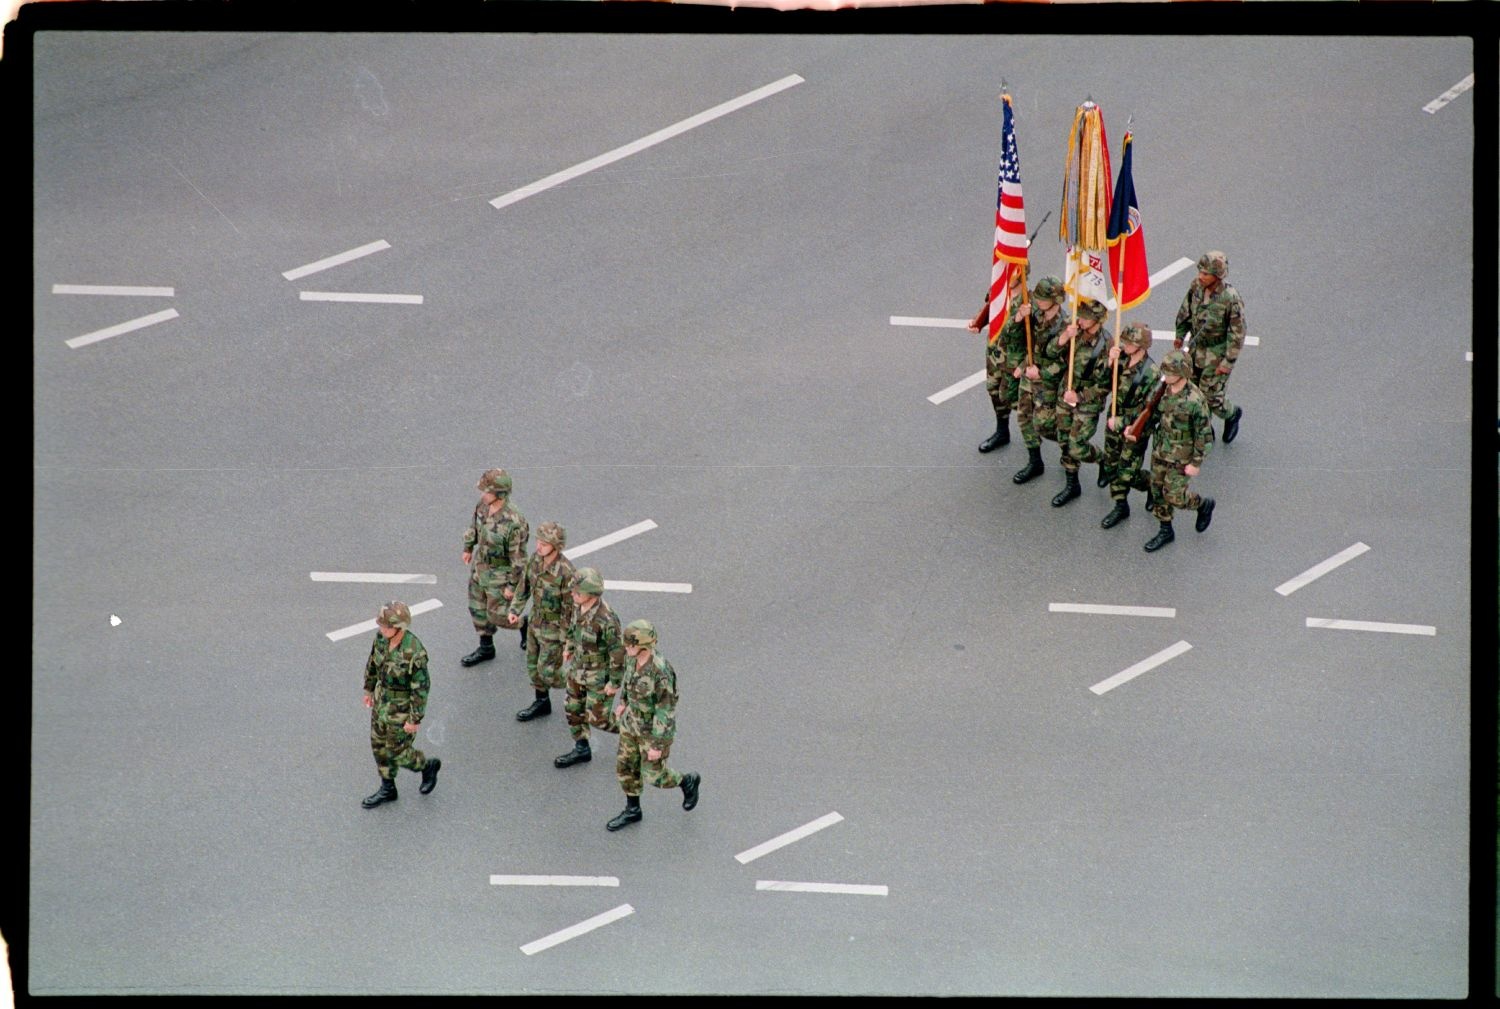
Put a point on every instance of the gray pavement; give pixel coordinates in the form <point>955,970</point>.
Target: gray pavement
<point>699,335</point>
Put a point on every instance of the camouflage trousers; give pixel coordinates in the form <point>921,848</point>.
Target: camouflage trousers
<point>487,602</point>
<point>544,661</point>
<point>1208,380</point>
<point>1075,428</point>
<point>1003,387</point>
<point>631,765</point>
<point>1169,489</point>
<point>587,704</point>
<point>1037,406</point>
<point>1122,461</point>
<point>392,745</point>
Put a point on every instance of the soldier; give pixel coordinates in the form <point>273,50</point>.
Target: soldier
<point>1121,468</point>
<point>545,583</point>
<point>496,543</point>
<point>647,714</point>
<point>1213,312</point>
<point>597,655</point>
<point>1038,396</point>
<point>1183,435</point>
<point>1001,358</point>
<point>396,687</point>
<point>1079,409</point>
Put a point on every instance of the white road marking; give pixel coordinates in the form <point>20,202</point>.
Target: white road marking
<point>918,320</point>
<point>1166,272</point>
<point>783,840</point>
<point>648,586</point>
<point>373,576</point>
<point>1115,611</point>
<point>1449,95</point>
<point>379,299</point>
<point>957,387</point>
<point>573,931</point>
<point>139,292</point>
<point>554,881</point>
<point>613,538</point>
<point>1125,675</point>
<point>872,890</point>
<point>1328,623</point>
<point>1319,570</point>
<point>636,146</point>
<point>114,621</point>
<point>369,625</point>
<point>1171,334</point>
<point>337,260</point>
<point>1468,355</point>
<point>124,327</point>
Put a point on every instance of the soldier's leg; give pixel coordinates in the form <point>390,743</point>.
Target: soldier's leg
<point>1026,404</point>
<point>656,772</point>
<point>993,384</point>
<point>601,712</point>
<point>404,752</point>
<point>380,746</point>
<point>575,708</point>
<point>628,771</point>
<point>484,620</point>
<point>1067,417</point>
<point>1161,504</point>
<point>542,705</point>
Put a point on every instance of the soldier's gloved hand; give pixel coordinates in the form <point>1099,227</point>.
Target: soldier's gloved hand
<point>1129,436</point>
<point>410,728</point>
<point>609,689</point>
<point>1033,372</point>
<point>468,555</point>
<point>1066,335</point>
<point>1191,470</point>
<point>369,701</point>
<point>653,755</point>
<point>1070,397</point>
<point>1113,424</point>
<point>1114,353</point>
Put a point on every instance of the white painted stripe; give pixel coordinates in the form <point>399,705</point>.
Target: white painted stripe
<point>554,881</point>
<point>785,839</point>
<point>786,887</point>
<point>369,625</point>
<point>613,538</point>
<point>1449,95</point>
<point>381,299</point>
<point>1319,570</point>
<point>1114,611</point>
<point>922,320</point>
<point>337,260</point>
<point>1126,675</point>
<point>648,586</point>
<point>373,576</point>
<point>944,395</point>
<point>1329,623</point>
<point>139,292</point>
<point>636,146</point>
<point>1164,273</point>
<point>1170,334</point>
<point>124,327</point>
<point>574,931</point>
<point>1468,355</point>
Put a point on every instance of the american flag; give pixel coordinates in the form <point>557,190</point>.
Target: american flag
<point>1010,225</point>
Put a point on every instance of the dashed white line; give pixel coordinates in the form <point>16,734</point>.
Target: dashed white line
<point>648,586</point>
<point>943,395</point>
<point>124,327</point>
<point>373,576</point>
<point>1319,570</point>
<point>574,931</point>
<point>137,292</point>
<point>1328,623</point>
<point>1449,95</point>
<point>781,841</point>
<point>379,299</point>
<point>1104,609</point>
<point>1125,675</point>
<point>636,146</point>
<point>369,625</point>
<point>336,260</point>
<point>609,540</point>
<point>873,890</point>
<point>554,880</point>
<point>918,320</point>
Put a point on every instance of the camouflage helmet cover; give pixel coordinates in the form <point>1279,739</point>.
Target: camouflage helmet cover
<point>1048,287</point>
<point>1137,334</point>
<point>639,632</point>
<point>394,614</point>
<point>551,532</point>
<point>588,581</point>
<point>1215,263</point>
<point>495,481</point>
<point>1176,363</point>
<point>1088,308</point>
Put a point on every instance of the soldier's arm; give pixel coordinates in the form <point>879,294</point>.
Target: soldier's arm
<point>1203,435</point>
<point>664,714</point>
<point>613,645</point>
<point>1185,316</point>
<point>1235,326</point>
<point>517,547</point>
<point>372,664</point>
<point>419,683</point>
<point>471,534</point>
<point>522,585</point>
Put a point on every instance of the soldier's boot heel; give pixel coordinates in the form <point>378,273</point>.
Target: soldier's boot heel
<point>1105,475</point>
<point>1070,490</point>
<point>1163,536</point>
<point>387,793</point>
<point>525,622</point>
<point>541,706</point>
<point>483,653</point>
<point>690,784</point>
<point>1033,468</point>
<point>630,814</point>
<point>429,775</point>
<point>1117,514</point>
<point>1232,425</point>
<point>579,754</point>
<point>1000,438</point>
<point>1205,514</point>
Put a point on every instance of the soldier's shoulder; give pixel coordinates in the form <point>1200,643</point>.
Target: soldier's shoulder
<point>412,644</point>
<point>513,514</point>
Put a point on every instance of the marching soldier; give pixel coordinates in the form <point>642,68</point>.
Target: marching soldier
<point>1121,468</point>
<point>1079,407</point>
<point>1213,312</point>
<point>1038,396</point>
<point>1182,437</point>
<point>597,653</point>
<point>396,686</point>
<point>495,542</point>
<point>1001,359</point>
<point>545,583</point>
<point>647,714</point>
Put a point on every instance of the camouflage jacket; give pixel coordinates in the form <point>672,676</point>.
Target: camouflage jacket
<point>650,698</point>
<point>1217,320</point>
<point>594,638</point>
<point>1183,433</point>
<point>548,588</point>
<point>397,679</point>
<point>1092,374</point>
<point>1050,357</point>
<point>1137,383</point>
<point>498,541</point>
<point>1009,349</point>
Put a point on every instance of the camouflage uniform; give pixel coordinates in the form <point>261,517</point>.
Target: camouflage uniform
<point>1217,323</point>
<point>598,659</point>
<point>1092,376</point>
<point>1122,459</point>
<point>1001,357</point>
<point>547,587</point>
<point>397,684</point>
<point>647,713</point>
<point>498,546</point>
<point>1182,436</point>
<point>1038,399</point>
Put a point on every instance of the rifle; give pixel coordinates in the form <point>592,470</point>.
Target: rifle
<point>1133,431</point>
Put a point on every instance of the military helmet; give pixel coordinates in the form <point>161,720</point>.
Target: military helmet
<point>588,581</point>
<point>394,614</point>
<point>551,532</point>
<point>495,481</point>
<point>1176,363</point>
<point>639,632</point>
<point>1088,308</point>
<point>1137,334</point>
<point>1214,262</point>
<point>1048,287</point>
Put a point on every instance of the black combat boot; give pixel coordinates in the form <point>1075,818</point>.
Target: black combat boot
<point>1205,514</point>
<point>1119,512</point>
<point>1033,468</point>
<point>630,814</point>
<point>1000,437</point>
<point>1105,475</point>
<point>1070,489</point>
<point>541,706</point>
<point>387,793</point>
<point>690,790</point>
<point>579,754</point>
<point>524,624</point>
<point>1163,536</point>
<point>483,653</point>
<point>1232,424</point>
<point>429,775</point>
